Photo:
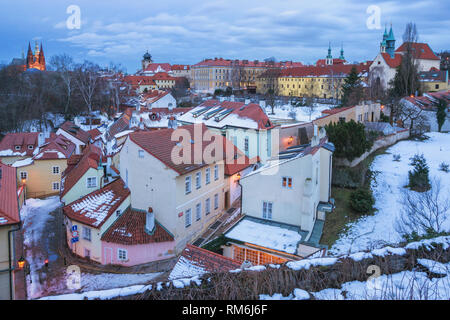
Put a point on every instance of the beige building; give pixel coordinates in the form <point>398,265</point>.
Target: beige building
<point>364,112</point>
<point>186,196</point>
<point>42,173</point>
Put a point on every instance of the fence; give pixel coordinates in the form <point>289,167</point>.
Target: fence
<point>381,142</point>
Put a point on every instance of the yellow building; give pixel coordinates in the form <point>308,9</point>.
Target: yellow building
<point>42,173</point>
<point>318,82</point>
<point>218,73</point>
<point>434,80</point>
<point>364,112</point>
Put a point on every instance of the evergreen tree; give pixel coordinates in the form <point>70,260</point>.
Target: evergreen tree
<point>349,139</point>
<point>440,114</point>
<point>418,177</point>
<point>352,90</point>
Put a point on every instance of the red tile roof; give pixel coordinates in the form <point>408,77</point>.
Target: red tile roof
<point>76,131</point>
<point>129,229</point>
<point>421,50</point>
<point>204,259</point>
<point>220,62</point>
<point>57,148</point>
<point>96,207</point>
<point>316,71</point>
<point>336,110</point>
<point>323,62</point>
<point>90,159</point>
<point>95,133</point>
<point>181,67</point>
<point>22,139</point>
<point>9,203</point>
<point>392,62</point>
<point>122,124</point>
<point>158,143</point>
<point>139,80</point>
<point>163,76</point>
<point>153,67</point>
<point>251,111</point>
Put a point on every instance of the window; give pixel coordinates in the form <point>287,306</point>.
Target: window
<point>198,211</point>
<point>267,210</point>
<point>246,145</point>
<point>287,182</point>
<point>30,147</point>
<point>208,175</point>
<point>86,234</point>
<point>216,201</point>
<point>92,182</point>
<point>122,255</point>
<point>198,180</point>
<point>87,253</point>
<point>216,172</point>
<point>317,175</point>
<point>55,186</point>
<point>187,183</point>
<point>17,147</point>
<point>141,154</point>
<point>342,119</point>
<point>118,213</point>
<point>188,218</point>
<point>23,175</point>
<point>207,206</point>
<point>55,170</point>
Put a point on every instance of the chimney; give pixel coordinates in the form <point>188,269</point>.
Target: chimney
<point>316,130</point>
<point>141,124</point>
<point>41,139</point>
<point>232,98</point>
<point>150,220</point>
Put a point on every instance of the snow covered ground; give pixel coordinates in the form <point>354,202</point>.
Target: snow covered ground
<point>35,216</point>
<point>301,113</point>
<point>374,231</point>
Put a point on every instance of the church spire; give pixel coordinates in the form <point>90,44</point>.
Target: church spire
<point>342,52</point>
<point>29,55</point>
<point>329,59</point>
<point>41,57</point>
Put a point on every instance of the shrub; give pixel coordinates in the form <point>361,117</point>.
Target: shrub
<point>349,139</point>
<point>362,201</point>
<point>396,157</point>
<point>418,177</point>
<point>346,178</point>
<point>444,167</point>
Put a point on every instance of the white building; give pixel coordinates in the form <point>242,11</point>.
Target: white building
<point>284,203</point>
<point>246,125</point>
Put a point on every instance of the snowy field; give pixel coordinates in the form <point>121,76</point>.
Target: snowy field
<point>302,114</point>
<point>374,231</point>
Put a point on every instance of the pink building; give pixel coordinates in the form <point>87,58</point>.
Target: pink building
<point>129,242</point>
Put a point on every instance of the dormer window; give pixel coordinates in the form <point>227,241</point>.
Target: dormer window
<point>30,147</point>
<point>17,147</point>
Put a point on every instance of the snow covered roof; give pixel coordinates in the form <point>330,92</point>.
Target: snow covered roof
<point>9,205</point>
<point>76,132</point>
<point>195,261</point>
<point>266,233</point>
<point>95,208</point>
<point>216,114</point>
<point>19,144</point>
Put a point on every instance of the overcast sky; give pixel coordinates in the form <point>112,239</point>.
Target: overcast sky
<point>185,32</point>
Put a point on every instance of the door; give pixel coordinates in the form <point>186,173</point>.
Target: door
<point>227,200</point>
<point>108,255</point>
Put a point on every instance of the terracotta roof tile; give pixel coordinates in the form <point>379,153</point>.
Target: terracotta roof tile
<point>158,143</point>
<point>96,207</point>
<point>90,159</point>
<point>9,204</point>
<point>129,229</point>
<point>421,50</point>
<point>23,140</point>
<point>76,131</point>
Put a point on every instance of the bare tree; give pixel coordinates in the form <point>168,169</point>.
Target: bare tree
<point>237,74</point>
<point>423,212</point>
<point>271,75</point>
<point>63,65</point>
<point>87,80</point>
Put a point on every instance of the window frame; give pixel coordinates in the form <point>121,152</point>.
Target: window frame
<point>56,183</point>
<point>187,183</point>
<point>198,211</point>
<point>89,186</point>
<point>188,214</point>
<point>198,180</point>
<point>119,258</point>
<point>216,201</point>
<point>53,169</point>
<point>86,234</point>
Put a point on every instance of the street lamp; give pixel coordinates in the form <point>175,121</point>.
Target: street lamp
<point>24,191</point>
<point>21,262</point>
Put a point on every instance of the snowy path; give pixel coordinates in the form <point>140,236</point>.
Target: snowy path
<point>372,231</point>
<point>35,216</point>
